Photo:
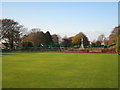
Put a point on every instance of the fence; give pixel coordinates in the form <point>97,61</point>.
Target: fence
<point>65,49</point>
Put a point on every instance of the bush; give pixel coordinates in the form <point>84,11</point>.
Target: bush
<point>106,50</point>
<point>27,44</point>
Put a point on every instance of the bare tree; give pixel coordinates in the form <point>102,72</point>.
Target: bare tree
<point>11,31</point>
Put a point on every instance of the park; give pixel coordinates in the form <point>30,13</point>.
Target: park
<point>59,45</point>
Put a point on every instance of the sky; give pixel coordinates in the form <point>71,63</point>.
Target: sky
<point>65,18</point>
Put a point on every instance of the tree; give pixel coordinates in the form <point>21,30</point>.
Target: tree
<point>101,38</point>
<point>11,31</point>
<point>66,43</point>
<point>48,39</point>
<point>29,38</point>
<point>118,40</point>
<point>76,40</point>
<point>27,44</point>
<point>40,39</point>
<point>93,44</point>
<point>35,30</point>
<point>37,38</point>
<point>55,39</point>
<point>114,38</point>
<point>98,44</point>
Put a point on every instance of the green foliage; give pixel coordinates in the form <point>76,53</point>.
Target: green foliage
<point>118,44</point>
<point>55,39</point>
<point>117,47</point>
<point>48,39</point>
<point>93,44</point>
<point>113,38</point>
<point>66,43</point>
<point>39,39</point>
<point>76,40</point>
<point>98,44</point>
<point>27,44</point>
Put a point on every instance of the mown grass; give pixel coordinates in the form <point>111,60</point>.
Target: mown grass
<point>60,70</point>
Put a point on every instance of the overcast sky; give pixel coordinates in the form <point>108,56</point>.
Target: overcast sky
<point>65,18</point>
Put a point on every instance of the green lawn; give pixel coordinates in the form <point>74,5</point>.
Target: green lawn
<point>60,70</point>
